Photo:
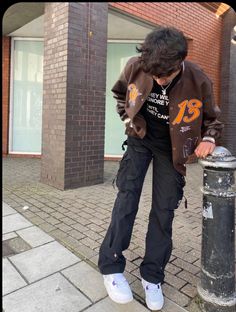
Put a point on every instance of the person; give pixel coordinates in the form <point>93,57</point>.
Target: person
<point>168,109</point>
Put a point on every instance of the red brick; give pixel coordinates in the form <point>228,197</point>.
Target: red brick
<point>195,21</point>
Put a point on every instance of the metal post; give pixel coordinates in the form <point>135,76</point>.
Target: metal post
<point>217,283</point>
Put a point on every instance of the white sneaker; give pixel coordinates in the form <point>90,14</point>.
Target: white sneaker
<point>118,288</point>
<point>154,296</point>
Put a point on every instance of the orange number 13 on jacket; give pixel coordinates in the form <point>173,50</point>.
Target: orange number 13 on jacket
<point>193,109</point>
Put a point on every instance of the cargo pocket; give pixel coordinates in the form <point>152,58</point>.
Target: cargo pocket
<point>127,174</point>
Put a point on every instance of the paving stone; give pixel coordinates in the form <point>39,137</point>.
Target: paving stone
<point>34,209</point>
<point>42,261</point>
<point>68,221</point>
<point>64,227</point>
<point>58,215</point>
<point>47,227</point>
<point>189,257</point>
<point>12,280</point>
<point>130,266</point>
<point>83,221</point>
<point>170,306</point>
<point>9,236</point>
<point>137,288</point>
<point>70,242</point>
<point>89,243</point>
<point>53,293</point>
<point>7,210</point>
<point>95,227</point>
<point>130,255</point>
<point>93,235</point>
<point>58,234</point>
<point>197,263</point>
<point>28,214</point>
<point>43,215</point>
<point>53,221</point>
<point>76,234</point>
<point>189,290</point>
<point>14,246</point>
<point>64,205</point>
<point>14,222</point>
<point>190,278</point>
<point>139,252</point>
<point>94,260</point>
<point>138,261</point>
<point>85,251</point>
<point>175,281</point>
<point>37,220</point>
<point>107,305</point>
<point>87,279</point>
<point>136,273</point>
<point>174,295</point>
<point>186,266</point>
<point>172,268</point>
<point>34,236</point>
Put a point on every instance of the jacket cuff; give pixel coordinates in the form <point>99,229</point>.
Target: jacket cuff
<point>208,139</point>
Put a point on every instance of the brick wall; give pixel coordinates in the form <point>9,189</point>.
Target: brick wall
<point>74,94</point>
<point>5,92</point>
<point>197,23</point>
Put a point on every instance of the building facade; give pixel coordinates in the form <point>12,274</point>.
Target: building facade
<point>60,61</point>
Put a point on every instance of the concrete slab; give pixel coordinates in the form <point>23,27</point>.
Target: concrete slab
<point>7,210</point>
<point>14,222</point>
<point>107,305</point>
<point>14,246</point>
<point>87,279</point>
<point>34,236</point>
<point>53,293</point>
<point>170,306</point>
<point>11,278</point>
<point>42,261</point>
<point>9,236</point>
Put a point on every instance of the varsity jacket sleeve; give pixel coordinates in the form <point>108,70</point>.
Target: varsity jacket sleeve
<point>211,126</point>
<point>119,90</point>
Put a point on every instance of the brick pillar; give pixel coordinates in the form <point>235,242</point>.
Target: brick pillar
<point>74,93</point>
<point>228,81</point>
<point>6,42</point>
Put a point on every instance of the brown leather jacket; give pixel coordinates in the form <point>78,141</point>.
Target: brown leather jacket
<point>193,112</point>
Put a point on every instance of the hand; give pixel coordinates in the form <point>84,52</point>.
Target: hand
<point>204,149</point>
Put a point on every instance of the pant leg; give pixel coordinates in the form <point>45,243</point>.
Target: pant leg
<point>130,178</point>
<point>167,194</point>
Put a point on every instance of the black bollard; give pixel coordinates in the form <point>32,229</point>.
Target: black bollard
<point>217,283</point>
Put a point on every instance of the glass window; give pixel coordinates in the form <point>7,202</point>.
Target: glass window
<point>117,56</point>
<point>26,105</point>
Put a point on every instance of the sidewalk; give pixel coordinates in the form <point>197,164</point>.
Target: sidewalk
<point>39,274</point>
<point>52,238</point>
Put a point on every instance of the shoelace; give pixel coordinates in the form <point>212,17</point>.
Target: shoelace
<point>119,282</point>
<point>153,287</point>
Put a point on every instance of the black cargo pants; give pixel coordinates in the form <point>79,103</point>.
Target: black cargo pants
<point>167,192</point>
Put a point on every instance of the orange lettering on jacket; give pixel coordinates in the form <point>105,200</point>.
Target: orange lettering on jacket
<point>193,109</point>
<point>133,94</point>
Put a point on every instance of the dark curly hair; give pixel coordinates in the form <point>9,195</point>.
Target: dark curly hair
<point>162,51</point>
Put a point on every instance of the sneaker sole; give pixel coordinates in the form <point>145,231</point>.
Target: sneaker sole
<point>155,308</point>
<point>115,299</point>
<point>118,300</point>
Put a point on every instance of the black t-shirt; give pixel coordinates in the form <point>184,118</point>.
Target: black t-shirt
<point>155,110</point>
